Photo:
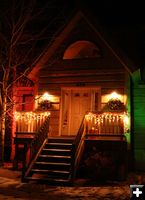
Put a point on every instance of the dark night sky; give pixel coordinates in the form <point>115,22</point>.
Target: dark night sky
<point>118,12</point>
<point>123,19</point>
<point>125,22</point>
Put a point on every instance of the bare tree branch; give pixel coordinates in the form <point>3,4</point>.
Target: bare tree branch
<point>3,68</point>
<point>18,40</point>
<point>10,85</point>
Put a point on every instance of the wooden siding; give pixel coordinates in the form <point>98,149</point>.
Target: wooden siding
<point>73,72</point>
<point>78,75</point>
<point>83,79</point>
<point>56,87</point>
<point>81,64</point>
<point>54,123</point>
<point>139,125</point>
<point>54,80</point>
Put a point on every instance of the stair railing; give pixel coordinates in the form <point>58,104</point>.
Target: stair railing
<point>78,147</point>
<point>36,146</point>
<point>39,138</point>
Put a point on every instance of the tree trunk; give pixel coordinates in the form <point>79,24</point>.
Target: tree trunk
<point>2,134</point>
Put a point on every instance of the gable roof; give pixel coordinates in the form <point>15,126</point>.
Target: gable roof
<point>64,32</point>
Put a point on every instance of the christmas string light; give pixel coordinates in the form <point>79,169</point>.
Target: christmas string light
<point>30,116</point>
<point>104,116</point>
<point>107,119</point>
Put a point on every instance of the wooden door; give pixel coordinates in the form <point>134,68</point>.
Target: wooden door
<point>80,104</point>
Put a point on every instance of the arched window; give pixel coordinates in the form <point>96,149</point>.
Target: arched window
<point>82,49</point>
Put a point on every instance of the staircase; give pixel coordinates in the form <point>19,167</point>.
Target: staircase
<point>53,164</point>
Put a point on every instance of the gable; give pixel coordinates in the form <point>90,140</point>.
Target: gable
<point>80,28</point>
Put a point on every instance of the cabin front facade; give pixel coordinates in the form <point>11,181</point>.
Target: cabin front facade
<point>86,86</point>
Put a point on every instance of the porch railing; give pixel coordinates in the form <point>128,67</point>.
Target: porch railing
<point>29,121</point>
<point>105,123</point>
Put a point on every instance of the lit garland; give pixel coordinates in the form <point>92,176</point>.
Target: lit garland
<point>30,116</point>
<point>95,121</point>
<point>99,118</point>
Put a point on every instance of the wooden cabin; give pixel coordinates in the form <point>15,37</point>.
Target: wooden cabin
<point>85,83</point>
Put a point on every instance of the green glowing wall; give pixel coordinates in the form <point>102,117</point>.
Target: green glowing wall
<point>128,106</point>
<point>139,121</point>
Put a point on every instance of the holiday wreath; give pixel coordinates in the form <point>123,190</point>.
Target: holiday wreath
<point>115,104</point>
<point>44,105</point>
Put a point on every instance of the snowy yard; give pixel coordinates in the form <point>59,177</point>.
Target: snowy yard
<point>11,188</point>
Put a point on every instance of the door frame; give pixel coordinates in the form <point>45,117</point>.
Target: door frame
<point>93,90</point>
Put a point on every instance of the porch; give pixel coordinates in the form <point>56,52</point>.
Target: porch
<point>98,132</point>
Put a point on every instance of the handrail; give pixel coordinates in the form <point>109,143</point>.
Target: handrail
<point>78,148</point>
<point>79,134</point>
<point>39,138</point>
<point>37,142</point>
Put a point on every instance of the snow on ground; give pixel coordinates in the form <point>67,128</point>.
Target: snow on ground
<point>11,188</point>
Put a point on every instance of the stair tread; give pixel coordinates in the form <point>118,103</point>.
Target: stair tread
<point>62,137</point>
<point>56,149</point>
<point>52,163</point>
<point>53,171</point>
<point>54,156</point>
<point>56,143</point>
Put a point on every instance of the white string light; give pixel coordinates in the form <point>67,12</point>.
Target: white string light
<point>29,116</point>
<point>97,120</point>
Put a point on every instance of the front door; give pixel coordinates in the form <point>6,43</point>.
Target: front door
<point>80,104</point>
<point>75,103</point>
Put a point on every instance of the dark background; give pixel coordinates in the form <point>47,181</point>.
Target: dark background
<point>124,21</point>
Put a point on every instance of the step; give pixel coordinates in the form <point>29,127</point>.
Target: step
<point>52,173</point>
<point>54,158</point>
<point>54,145</point>
<point>64,152</point>
<point>61,139</point>
<point>60,143</point>
<point>52,165</point>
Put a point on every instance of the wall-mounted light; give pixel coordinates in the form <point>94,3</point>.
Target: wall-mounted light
<point>49,97</point>
<point>114,95</point>
<point>45,96</point>
<point>44,102</point>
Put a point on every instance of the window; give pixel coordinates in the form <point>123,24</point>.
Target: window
<point>82,49</point>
